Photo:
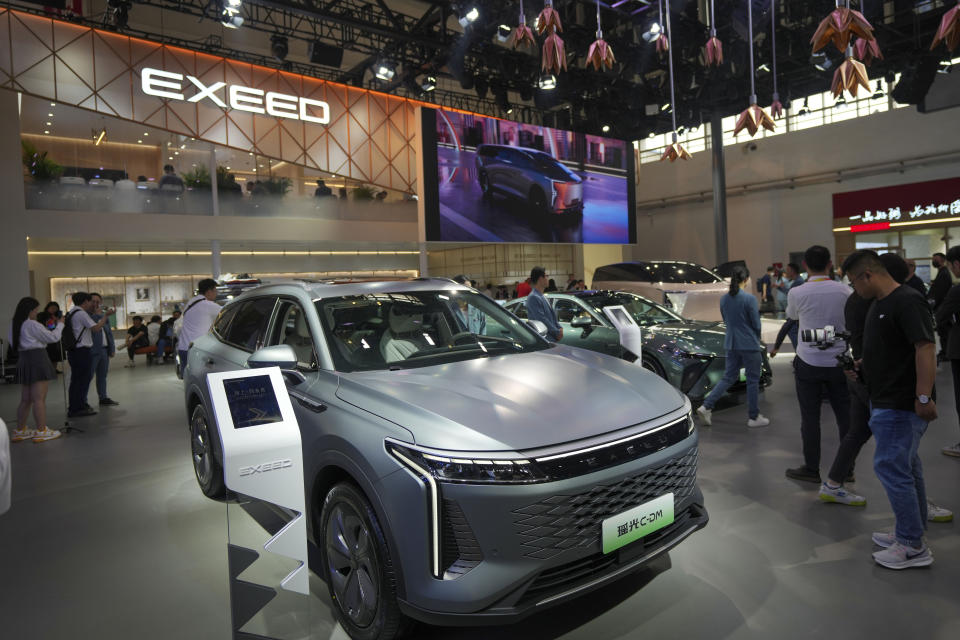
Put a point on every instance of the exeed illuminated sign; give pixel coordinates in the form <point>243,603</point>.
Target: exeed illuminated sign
<point>166,84</point>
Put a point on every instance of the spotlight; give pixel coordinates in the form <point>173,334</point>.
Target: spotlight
<point>279,47</point>
<point>429,83</point>
<point>547,82</point>
<point>230,17</point>
<point>652,32</point>
<point>764,67</point>
<point>879,92</point>
<point>503,33</point>
<point>99,135</point>
<point>385,70</point>
<point>605,128</point>
<point>840,102</point>
<point>118,12</point>
<point>821,61</point>
<point>805,109</point>
<point>468,16</point>
<point>665,107</point>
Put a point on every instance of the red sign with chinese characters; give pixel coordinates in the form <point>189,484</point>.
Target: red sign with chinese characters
<point>913,202</point>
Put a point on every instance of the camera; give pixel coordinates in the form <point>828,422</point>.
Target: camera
<point>824,338</point>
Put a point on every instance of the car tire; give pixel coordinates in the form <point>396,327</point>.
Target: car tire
<point>208,471</point>
<point>354,554</point>
<point>651,365</point>
<point>484,181</point>
<point>538,203</point>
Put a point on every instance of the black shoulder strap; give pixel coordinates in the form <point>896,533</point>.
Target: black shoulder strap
<point>190,306</point>
<point>69,319</point>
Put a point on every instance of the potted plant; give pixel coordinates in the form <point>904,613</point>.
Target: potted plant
<point>364,192</point>
<point>197,178</point>
<point>38,165</point>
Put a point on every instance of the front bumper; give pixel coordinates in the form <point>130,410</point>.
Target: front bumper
<point>567,197</point>
<point>512,550</point>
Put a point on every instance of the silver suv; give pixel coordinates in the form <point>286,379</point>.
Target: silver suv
<point>458,466</point>
<point>531,175</point>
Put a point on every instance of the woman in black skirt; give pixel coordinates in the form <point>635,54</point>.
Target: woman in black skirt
<point>34,370</point>
<point>53,350</point>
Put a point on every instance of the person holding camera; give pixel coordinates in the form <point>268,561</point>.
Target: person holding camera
<point>80,357</point>
<point>899,366</point>
<point>30,338</point>
<point>817,304</point>
<point>743,349</point>
<point>948,314</point>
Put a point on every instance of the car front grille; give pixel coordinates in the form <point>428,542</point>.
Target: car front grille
<point>567,576</point>
<point>461,551</point>
<point>549,527</point>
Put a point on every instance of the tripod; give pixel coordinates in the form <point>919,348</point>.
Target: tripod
<point>67,427</point>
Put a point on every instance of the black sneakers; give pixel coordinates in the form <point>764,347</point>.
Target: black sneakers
<point>108,402</point>
<point>804,474</point>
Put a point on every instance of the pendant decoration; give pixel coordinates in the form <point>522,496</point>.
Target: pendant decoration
<point>600,54</point>
<point>675,150</point>
<point>753,117</point>
<point>554,57</point>
<point>713,50</point>
<point>949,31</point>
<point>523,35</point>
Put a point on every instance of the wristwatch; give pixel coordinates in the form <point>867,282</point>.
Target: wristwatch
<point>923,399</point>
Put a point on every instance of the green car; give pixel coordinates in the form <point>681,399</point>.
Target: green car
<point>689,354</point>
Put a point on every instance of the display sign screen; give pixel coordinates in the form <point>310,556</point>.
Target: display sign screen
<point>252,401</point>
<point>492,180</point>
<point>902,203</point>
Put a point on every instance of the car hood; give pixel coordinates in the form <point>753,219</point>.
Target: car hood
<point>692,336</point>
<point>513,402</point>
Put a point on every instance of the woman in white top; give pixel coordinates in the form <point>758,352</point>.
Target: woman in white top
<point>34,369</point>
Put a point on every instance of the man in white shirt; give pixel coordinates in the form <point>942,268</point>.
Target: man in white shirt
<point>198,316</point>
<point>81,357</point>
<point>817,304</point>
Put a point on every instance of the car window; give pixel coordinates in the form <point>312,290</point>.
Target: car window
<point>222,323</point>
<point>518,309</point>
<point>419,328</point>
<point>291,328</point>
<point>250,323</point>
<point>643,311</point>
<point>504,155</point>
<point>630,272</point>
<point>569,310</point>
<point>686,273</point>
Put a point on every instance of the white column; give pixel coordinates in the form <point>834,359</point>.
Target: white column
<point>215,244</point>
<point>15,282</point>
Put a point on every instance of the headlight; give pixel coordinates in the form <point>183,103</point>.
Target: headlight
<point>469,470</point>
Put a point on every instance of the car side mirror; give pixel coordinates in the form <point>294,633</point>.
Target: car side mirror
<point>538,326</point>
<point>581,322</point>
<point>281,356</point>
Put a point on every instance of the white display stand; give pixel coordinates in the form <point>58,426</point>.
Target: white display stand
<point>263,466</point>
<point>631,336</point>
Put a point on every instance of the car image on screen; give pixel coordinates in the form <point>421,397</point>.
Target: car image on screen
<point>530,175</point>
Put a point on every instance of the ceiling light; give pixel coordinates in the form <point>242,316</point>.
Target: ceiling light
<point>840,102</point>
<point>45,131</point>
<point>279,47</point>
<point>429,83</point>
<point>503,33</point>
<point>547,82</point>
<point>99,136</point>
<point>652,32</point>
<point>764,68</point>
<point>49,123</point>
<point>385,71</point>
<point>49,115</point>
<point>606,128</point>
<point>53,104</point>
<point>230,13</point>
<point>468,16</point>
<point>821,61</point>
<point>805,109</point>
<point>170,158</point>
<point>139,141</point>
<point>879,92</point>
<point>664,107</point>
<point>146,133</point>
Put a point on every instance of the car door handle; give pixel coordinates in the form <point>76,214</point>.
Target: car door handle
<point>307,403</point>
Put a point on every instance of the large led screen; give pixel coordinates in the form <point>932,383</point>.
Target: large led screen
<point>501,181</point>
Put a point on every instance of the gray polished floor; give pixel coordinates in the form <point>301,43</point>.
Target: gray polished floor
<point>109,537</point>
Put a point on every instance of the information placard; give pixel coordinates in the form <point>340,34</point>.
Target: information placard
<point>631,337</point>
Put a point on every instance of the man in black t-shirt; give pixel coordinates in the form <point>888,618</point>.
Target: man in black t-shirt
<point>136,339</point>
<point>899,365</point>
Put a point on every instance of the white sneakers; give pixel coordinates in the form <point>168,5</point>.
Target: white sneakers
<point>37,435</point>
<point>26,433</point>
<point>840,496</point>
<point>706,417</point>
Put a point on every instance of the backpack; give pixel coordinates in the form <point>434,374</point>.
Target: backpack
<point>68,340</point>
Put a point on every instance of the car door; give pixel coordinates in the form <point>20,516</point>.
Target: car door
<point>291,327</point>
<point>245,334</point>
<point>595,336</point>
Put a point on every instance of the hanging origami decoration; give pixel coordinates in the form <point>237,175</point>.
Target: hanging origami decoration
<point>522,35</point>
<point>713,50</point>
<point>949,31</point>
<point>674,150</point>
<point>662,41</point>
<point>866,50</point>
<point>754,116</point>
<point>850,76</point>
<point>600,54</point>
<point>554,56</point>
<point>839,27</point>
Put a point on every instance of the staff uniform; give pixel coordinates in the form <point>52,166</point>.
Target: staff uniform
<point>80,358</point>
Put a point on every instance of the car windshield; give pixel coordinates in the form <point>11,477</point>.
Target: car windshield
<point>686,273</point>
<point>644,312</point>
<point>419,328</point>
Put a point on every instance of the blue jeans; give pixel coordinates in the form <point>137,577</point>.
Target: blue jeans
<point>897,465</point>
<point>161,347</point>
<point>752,362</point>
<point>101,364</point>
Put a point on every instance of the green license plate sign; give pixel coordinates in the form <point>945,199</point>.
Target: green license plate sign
<point>622,529</point>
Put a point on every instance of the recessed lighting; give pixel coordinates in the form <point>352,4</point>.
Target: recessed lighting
<point>170,158</point>
<point>228,168</point>
<point>139,141</point>
<point>183,146</point>
<point>251,153</point>
<point>53,104</point>
<point>46,132</point>
<point>49,124</point>
<point>145,133</point>
<point>176,153</point>
<point>606,128</point>
<point>49,115</point>
<point>261,166</point>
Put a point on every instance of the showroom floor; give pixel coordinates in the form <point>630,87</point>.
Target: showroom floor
<point>109,537</point>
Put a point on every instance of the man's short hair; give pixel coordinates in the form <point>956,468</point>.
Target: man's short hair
<point>92,294</point>
<point>536,273</point>
<point>80,297</point>
<point>140,318</point>
<point>896,266</point>
<point>817,257</point>
<point>861,260</point>
<point>948,253</point>
<point>168,168</point>
<point>794,266</point>
<point>205,285</point>
<point>154,318</point>
<point>953,254</point>
<point>461,279</point>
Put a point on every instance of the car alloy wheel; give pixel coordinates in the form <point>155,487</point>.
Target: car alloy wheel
<point>538,202</point>
<point>652,366</point>
<point>484,180</point>
<point>205,466</point>
<point>352,565</point>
